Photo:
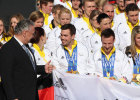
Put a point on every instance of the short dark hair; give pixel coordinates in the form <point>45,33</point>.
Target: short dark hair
<point>83,1</point>
<point>128,0</point>
<point>45,2</point>
<point>107,33</point>
<point>70,27</point>
<point>131,7</point>
<point>101,17</point>
<point>38,33</point>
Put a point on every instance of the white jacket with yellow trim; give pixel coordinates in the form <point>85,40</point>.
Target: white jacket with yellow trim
<point>54,40</point>
<point>50,18</point>
<point>124,34</point>
<point>81,25</point>
<point>83,66</point>
<point>47,29</point>
<point>121,19</point>
<point>91,40</point>
<point>39,59</point>
<point>121,65</point>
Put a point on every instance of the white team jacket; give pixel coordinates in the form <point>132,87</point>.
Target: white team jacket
<point>120,19</point>
<point>91,40</point>
<point>47,29</point>
<point>121,65</point>
<point>83,66</point>
<point>138,4</point>
<point>54,40</point>
<point>58,2</point>
<point>124,34</point>
<point>81,25</point>
<point>39,59</point>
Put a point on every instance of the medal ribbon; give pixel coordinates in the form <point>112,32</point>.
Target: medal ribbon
<point>72,59</point>
<point>137,62</point>
<point>108,65</point>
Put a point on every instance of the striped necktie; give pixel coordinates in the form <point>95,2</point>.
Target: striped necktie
<point>29,54</point>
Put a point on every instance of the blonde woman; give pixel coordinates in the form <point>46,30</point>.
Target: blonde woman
<point>54,41</point>
<point>38,18</point>
<point>54,36</point>
<point>133,53</point>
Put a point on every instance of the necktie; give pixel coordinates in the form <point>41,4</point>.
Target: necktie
<point>28,53</point>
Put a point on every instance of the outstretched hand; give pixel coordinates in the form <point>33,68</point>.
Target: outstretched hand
<point>48,67</point>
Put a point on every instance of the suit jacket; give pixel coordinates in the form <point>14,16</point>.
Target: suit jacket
<point>17,72</point>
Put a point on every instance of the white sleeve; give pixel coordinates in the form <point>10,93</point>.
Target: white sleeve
<point>127,69</point>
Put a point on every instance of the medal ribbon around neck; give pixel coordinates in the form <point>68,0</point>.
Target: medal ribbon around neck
<point>72,60</point>
<point>108,65</point>
<point>137,64</point>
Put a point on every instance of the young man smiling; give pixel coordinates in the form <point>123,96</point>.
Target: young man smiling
<point>110,62</point>
<point>72,56</point>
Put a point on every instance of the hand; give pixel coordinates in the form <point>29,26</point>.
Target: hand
<point>15,99</point>
<point>49,68</point>
<point>112,78</point>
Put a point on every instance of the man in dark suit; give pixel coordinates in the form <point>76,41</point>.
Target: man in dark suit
<point>18,69</point>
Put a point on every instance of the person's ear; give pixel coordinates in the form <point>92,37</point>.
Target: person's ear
<point>53,15</point>
<point>24,33</point>
<point>73,36</point>
<point>42,38</point>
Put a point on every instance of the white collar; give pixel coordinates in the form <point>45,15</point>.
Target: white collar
<point>18,41</point>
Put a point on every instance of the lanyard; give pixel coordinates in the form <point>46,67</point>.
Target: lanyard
<point>137,64</point>
<point>72,60</point>
<point>108,65</point>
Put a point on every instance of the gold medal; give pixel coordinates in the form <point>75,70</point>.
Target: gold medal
<point>108,74</point>
<point>138,77</point>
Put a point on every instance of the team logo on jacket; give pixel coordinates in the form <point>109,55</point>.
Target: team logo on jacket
<point>82,28</point>
<point>38,58</point>
<point>125,32</point>
<point>99,59</point>
<point>96,42</point>
<point>62,57</point>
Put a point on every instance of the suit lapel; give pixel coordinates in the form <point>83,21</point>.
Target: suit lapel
<point>21,51</point>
